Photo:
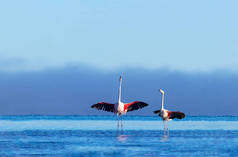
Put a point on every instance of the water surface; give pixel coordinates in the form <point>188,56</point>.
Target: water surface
<point>99,136</point>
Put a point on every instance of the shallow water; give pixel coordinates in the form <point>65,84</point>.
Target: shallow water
<point>99,136</point>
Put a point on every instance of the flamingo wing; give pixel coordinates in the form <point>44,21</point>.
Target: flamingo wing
<point>175,114</point>
<point>104,106</point>
<point>135,105</point>
<point>156,111</point>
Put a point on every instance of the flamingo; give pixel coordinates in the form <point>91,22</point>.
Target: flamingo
<point>168,115</point>
<point>122,108</point>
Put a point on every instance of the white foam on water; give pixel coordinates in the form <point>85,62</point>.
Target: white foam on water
<point>8,125</point>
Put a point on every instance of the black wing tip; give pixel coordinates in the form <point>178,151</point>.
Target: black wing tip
<point>156,111</point>
<point>141,104</point>
<point>94,105</point>
<point>104,106</point>
<point>182,115</point>
<point>179,115</point>
<point>145,104</point>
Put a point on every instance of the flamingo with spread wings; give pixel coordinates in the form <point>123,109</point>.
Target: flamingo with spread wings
<point>168,115</point>
<point>119,108</point>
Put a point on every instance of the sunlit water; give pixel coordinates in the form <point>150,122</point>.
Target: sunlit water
<point>99,136</point>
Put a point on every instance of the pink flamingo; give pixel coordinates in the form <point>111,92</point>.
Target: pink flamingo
<point>168,115</point>
<point>122,108</point>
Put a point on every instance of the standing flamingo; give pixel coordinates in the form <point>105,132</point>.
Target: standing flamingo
<point>167,115</point>
<point>122,108</point>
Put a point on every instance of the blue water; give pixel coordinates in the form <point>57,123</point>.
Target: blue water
<point>65,136</point>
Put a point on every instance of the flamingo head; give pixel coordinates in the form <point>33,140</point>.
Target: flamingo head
<point>161,91</point>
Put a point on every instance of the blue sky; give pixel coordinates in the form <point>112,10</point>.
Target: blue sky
<point>179,35</point>
<point>57,56</point>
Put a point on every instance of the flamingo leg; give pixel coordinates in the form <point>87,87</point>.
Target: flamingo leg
<point>117,121</point>
<point>164,126</point>
<point>121,121</point>
<point>167,128</point>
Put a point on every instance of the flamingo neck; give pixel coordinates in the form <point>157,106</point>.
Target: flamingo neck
<point>162,105</point>
<point>119,97</point>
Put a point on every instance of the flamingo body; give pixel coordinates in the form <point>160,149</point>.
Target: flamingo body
<point>169,115</point>
<point>121,108</point>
